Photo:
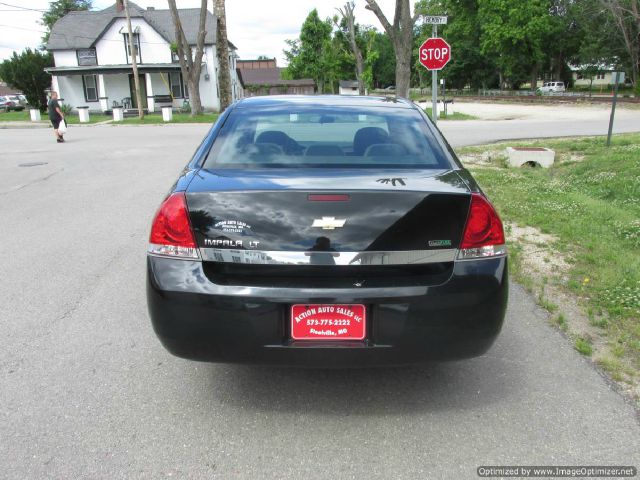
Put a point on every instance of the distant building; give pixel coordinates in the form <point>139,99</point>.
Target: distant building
<point>263,77</point>
<point>7,90</point>
<point>348,87</point>
<point>605,76</point>
<point>254,64</point>
<point>93,60</point>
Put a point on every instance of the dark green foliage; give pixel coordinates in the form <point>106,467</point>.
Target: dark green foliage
<point>384,66</point>
<point>312,56</point>
<point>26,72</point>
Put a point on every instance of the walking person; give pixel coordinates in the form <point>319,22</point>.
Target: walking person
<point>55,115</point>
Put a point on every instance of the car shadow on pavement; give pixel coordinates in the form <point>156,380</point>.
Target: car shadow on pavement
<point>457,385</point>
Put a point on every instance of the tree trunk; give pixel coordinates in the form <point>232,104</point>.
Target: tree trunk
<point>403,73</point>
<point>348,15</point>
<point>134,61</point>
<point>401,35</point>
<point>534,78</point>
<point>190,64</point>
<point>194,97</point>
<point>222,50</point>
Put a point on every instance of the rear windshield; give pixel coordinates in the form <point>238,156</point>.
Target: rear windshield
<point>326,137</point>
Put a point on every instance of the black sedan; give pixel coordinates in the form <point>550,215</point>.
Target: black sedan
<point>326,231</point>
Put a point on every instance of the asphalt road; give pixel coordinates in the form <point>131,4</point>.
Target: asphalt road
<point>546,122</point>
<point>87,391</point>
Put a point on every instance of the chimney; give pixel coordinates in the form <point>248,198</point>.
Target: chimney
<point>151,9</point>
<point>119,5</point>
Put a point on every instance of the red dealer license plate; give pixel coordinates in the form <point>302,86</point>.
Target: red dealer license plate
<point>328,322</point>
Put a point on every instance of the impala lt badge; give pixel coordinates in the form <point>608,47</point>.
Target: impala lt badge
<point>329,223</point>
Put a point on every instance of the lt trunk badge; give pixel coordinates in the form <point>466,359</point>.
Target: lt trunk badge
<point>329,223</point>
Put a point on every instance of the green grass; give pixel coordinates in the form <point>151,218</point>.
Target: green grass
<point>154,118</point>
<point>590,200</point>
<point>93,118</point>
<point>24,116</point>
<point>584,346</point>
<point>452,116</point>
<point>150,119</point>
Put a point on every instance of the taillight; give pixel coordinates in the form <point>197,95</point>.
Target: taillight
<point>171,233</point>
<point>483,234</point>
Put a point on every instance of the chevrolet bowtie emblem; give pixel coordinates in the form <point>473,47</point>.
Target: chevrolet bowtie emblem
<point>329,223</point>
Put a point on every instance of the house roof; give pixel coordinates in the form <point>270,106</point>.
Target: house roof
<point>7,90</point>
<point>82,29</point>
<point>269,76</point>
<point>349,83</point>
<point>110,69</point>
<point>603,67</point>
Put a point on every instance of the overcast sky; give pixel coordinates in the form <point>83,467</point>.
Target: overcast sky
<point>256,27</point>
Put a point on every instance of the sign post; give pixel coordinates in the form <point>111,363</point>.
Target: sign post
<point>434,83</point>
<point>613,108</point>
<point>434,54</point>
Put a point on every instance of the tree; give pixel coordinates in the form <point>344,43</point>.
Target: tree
<point>626,15</point>
<point>58,9</point>
<point>190,62</point>
<point>469,66</point>
<point>401,35</point>
<point>384,63</point>
<point>26,72</point>
<point>596,50</point>
<point>516,35</point>
<point>349,19</point>
<point>222,50</point>
<point>134,61</point>
<point>310,56</point>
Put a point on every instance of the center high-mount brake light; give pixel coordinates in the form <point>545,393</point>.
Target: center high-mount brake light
<point>483,234</point>
<point>171,233</point>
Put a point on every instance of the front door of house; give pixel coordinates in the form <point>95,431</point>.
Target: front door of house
<point>143,91</point>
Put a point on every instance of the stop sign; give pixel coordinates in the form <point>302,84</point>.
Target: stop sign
<point>434,53</point>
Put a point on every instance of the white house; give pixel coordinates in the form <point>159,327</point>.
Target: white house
<point>93,60</point>
<point>348,87</point>
<point>604,76</point>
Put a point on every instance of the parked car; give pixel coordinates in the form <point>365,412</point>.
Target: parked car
<point>552,87</point>
<point>9,103</point>
<point>21,99</point>
<point>326,231</point>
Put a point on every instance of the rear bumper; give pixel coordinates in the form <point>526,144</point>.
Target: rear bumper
<point>197,319</point>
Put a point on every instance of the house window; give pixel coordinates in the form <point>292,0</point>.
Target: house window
<point>87,56</point>
<point>178,88</point>
<point>600,76</point>
<point>136,45</point>
<point>90,83</point>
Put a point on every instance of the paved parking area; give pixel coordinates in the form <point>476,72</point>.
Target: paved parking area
<point>88,391</point>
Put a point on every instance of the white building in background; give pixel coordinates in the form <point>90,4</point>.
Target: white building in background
<point>604,76</point>
<point>348,87</point>
<point>93,60</point>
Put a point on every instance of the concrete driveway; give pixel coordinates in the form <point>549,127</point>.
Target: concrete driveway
<point>88,392</point>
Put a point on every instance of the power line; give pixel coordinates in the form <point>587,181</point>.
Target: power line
<point>22,8</point>
<point>21,28</point>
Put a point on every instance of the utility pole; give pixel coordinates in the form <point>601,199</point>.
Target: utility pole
<point>133,49</point>
<point>613,108</point>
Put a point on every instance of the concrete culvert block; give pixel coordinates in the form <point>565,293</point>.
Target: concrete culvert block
<point>530,156</point>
